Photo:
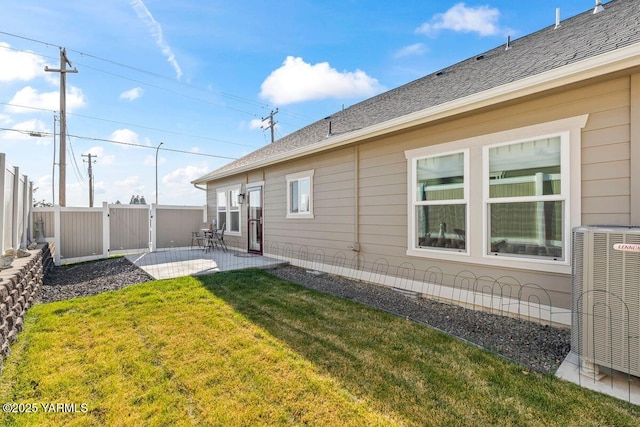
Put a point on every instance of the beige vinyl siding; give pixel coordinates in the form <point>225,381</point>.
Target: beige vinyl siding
<point>606,156</point>
<point>382,226</point>
<point>212,209</point>
<point>606,179</point>
<point>383,184</point>
<point>332,228</point>
<point>634,142</point>
<point>609,187</point>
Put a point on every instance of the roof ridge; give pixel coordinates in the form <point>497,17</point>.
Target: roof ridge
<point>543,50</point>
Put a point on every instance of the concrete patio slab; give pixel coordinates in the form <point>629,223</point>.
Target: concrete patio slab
<point>172,263</point>
<point>617,384</point>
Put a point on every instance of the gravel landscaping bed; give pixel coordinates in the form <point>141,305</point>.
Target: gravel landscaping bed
<point>90,278</point>
<point>538,347</point>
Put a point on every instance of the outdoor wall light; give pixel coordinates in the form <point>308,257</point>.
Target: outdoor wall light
<point>240,198</point>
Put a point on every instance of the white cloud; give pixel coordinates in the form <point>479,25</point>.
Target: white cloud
<point>101,158</point>
<point>125,135</point>
<point>297,81</point>
<point>97,151</point>
<point>255,124</point>
<point>107,160</point>
<point>156,31</point>
<point>19,66</point>
<point>132,94</point>
<point>482,20</point>
<point>411,50</point>
<point>100,188</point>
<point>28,96</point>
<point>128,181</point>
<point>150,160</point>
<point>23,130</point>
<point>182,177</point>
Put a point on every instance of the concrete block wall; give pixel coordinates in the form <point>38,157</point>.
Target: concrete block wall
<point>19,286</point>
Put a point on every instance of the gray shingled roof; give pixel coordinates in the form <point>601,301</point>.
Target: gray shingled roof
<point>578,38</point>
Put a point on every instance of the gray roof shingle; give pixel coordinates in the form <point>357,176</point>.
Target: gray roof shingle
<point>578,38</point>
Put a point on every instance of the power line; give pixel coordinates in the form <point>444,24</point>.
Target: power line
<point>137,69</point>
<point>146,146</point>
<point>150,73</point>
<point>133,125</point>
<point>272,123</point>
<point>42,134</point>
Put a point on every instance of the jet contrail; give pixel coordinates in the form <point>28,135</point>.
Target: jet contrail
<point>156,31</point>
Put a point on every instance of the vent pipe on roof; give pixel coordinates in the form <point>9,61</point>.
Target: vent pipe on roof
<point>557,17</point>
<point>329,133</point>
<point>508,43</point>
<point>599,7</point>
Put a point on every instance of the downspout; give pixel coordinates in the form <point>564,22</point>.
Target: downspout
<point>356,203</point>
<point>205,213</point>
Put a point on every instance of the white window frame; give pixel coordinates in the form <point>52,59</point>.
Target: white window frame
<point>477,232</point>
<point>414,203</point>
<point>299,176</point>
<point>563,197</point>
<point>230,207</point>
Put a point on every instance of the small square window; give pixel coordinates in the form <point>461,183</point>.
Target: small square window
<point>300,195</point>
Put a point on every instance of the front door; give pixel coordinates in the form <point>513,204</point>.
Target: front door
<point>254,197</point>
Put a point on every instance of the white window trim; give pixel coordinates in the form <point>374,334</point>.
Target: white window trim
<point>227,189</point>
<point>564,196</point>
<point>413,203</point>
<point>296,177</point>
<point>476,247</point>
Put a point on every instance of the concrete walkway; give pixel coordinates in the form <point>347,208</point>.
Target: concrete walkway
<point>168,264</point>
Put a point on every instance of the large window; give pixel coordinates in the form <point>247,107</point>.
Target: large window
<point>300,195</point>
<point>228,209</point>
<point>525,203</point>
<point>440,202</point>
<point>506,199</point>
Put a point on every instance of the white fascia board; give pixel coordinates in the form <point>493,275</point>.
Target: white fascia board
<point>617,60</point>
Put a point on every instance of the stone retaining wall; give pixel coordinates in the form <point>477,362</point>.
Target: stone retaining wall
<point>19,286</point>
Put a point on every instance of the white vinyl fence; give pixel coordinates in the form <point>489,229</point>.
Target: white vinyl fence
<point>16,199</point>
<point>90,233</point>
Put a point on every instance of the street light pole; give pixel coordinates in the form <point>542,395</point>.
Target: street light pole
<point>157,149</point>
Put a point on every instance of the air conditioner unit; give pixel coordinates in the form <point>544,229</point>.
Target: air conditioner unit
<point>606,297</point>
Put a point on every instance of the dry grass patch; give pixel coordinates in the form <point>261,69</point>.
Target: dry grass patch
<point>245,348</point>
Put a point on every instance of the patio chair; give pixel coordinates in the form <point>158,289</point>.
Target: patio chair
<point>197,239</point>
<point>219,238</point>
<point>209,240</point>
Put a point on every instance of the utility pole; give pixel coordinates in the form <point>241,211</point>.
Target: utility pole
<point>90,178</point>
<point>62,199</point>
<point>272,123</point>
<point>53,167</point>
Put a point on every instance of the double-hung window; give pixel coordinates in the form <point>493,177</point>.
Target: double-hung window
<point>300,194</point>
<point>440,202</point>
<point>525,198</point>
<point>504,199</point>
<point>228,209</point>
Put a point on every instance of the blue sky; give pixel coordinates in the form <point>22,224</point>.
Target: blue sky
<point>199,77</point>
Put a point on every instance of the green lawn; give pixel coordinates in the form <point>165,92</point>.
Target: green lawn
<point>247,349</point>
